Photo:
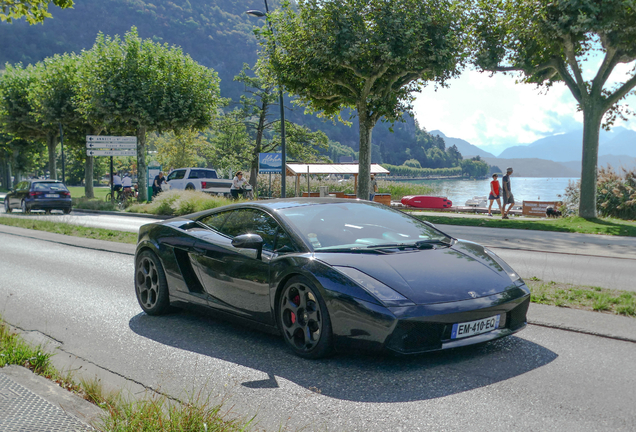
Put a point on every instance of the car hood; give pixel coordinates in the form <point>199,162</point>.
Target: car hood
<point>460,272</point>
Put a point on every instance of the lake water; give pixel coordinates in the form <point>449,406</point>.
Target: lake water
<point>523,188</point>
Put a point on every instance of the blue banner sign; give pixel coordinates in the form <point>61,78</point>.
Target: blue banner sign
<point>270,163</point>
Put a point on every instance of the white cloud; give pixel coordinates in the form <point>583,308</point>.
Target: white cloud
<point>495,112</point>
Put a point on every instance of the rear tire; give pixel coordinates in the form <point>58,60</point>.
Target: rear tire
<point>151,286</point>
<point>7,206</point>
<point>190,187</point>
<point>304,320</point>
<point>66,210</point>
<point>25,209</point>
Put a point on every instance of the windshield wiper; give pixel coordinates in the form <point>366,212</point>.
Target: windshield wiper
<point>354,249</point>
<point>420,244</point>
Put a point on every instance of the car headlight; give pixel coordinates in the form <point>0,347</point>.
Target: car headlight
<point>511,273</point>
<point>377,289</point>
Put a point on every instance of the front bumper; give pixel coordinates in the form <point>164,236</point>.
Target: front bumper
<point>423,328</point>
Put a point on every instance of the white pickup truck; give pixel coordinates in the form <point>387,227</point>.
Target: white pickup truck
<point>199,179</point>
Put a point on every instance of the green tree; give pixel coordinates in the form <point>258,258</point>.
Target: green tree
<point>135,86</point>
<point>53,97</point>
<point>474,167</point>
<point>255,110</point>
<point>370,55</point>
<point>17,112</point>
<point>230,146</point>
<point>34,11</point>
<point>178,150</point>
<point>548,41</point>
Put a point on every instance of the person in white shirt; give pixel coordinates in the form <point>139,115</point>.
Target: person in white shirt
<point>237,185</point>
<point>126,182</point>
<point>116,183</point>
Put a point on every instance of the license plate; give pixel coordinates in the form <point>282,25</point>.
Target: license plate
<point>52,195</point>
<point>472,328</point>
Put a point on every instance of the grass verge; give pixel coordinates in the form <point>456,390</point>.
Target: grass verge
<point>150,413</point>
<point>603,226</point>
<point>71,230</point>
<point>583,297</point>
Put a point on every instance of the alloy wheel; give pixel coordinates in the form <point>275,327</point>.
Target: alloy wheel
<point>147,282</point>
<point>301,317</point>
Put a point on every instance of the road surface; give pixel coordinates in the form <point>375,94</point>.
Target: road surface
<point>580,259</point>
<point>540,380</point>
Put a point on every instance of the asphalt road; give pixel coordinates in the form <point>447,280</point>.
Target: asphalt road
<point>540,380</point>
<point>580,259</point>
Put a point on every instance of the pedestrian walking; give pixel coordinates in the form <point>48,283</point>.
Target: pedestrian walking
<point>494,194</point>
<point>508,197</point>
<point>374,187</point>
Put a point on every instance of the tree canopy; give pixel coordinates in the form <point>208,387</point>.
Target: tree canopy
<point>136,86</point>
<point>34,11</point>
<point>552,41</point>
<point>369,55</point>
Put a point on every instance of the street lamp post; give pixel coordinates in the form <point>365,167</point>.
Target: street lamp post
<point>283,154</point>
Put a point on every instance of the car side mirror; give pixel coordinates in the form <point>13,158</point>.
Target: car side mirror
<point>249,241</point>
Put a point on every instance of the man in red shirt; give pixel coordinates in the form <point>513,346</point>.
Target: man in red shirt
<point>494,194</point>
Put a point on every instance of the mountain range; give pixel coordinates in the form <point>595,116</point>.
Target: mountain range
<point>556,155</point>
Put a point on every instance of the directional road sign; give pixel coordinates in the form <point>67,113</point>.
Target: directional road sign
<point>110,139</point>
<point>103,145</point>
<point>111,152</point>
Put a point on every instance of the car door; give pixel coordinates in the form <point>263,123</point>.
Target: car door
<point>176,179</point>
<point>21,191</point>
<point>236,280</point>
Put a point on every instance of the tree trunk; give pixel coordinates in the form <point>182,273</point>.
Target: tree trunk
<point>51,144</point>
<point>592,117</point>
<point>88,177</point>
<point>142,169</point>
<point>257,149</point>
<point>364,164</point>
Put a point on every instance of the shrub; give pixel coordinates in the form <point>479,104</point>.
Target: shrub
<point>615,194</point>
<point>180,202</point>
<point>93,204</point>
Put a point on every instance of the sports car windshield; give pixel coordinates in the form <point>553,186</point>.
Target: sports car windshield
<point>360,226</point>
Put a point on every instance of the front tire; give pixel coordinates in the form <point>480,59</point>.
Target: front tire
<point>304,320</point>
<point>7,206</point>
<point>25,208</point>
<point>151,286</point>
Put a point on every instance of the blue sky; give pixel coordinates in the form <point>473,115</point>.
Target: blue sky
<point>495,113</point>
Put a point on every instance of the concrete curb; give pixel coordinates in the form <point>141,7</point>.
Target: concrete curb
<point>114,213</point>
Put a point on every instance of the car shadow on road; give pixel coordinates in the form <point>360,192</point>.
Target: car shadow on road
<point>352,377</point>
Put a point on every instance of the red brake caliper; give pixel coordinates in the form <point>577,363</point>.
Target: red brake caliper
<point>296,302</point>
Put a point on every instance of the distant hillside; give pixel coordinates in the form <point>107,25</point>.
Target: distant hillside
<point>534,167</point>
<point>467,149</point>
<point>216,33</point>
<point>568,146</point>
<point>614,161</point>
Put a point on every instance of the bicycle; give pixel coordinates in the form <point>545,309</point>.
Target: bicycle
<point>122,199</point>
<point>109,196</point>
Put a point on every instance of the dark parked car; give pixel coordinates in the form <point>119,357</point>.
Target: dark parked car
<point>331,274</point>
<point>39,195</point>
